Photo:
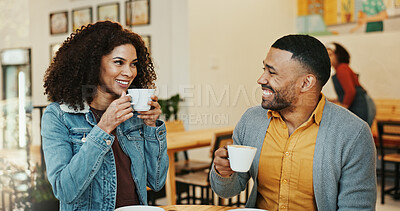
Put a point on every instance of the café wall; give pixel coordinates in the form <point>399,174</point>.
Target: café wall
<point>14,29</point>
<point>230,38</point>
<point>167,28</point>
<point>168,31</point>
<point>209,51</point>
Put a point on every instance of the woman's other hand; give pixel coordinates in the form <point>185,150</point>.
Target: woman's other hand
<point>150,117</point>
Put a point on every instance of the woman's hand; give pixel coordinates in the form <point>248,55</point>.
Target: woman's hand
<point>117,112</point>
<point>150,117</point>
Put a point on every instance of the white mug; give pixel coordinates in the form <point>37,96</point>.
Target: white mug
<point>140,98</point>
<point>241,157</point>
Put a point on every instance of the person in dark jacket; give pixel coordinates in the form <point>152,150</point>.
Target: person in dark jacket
<point>351,94</point>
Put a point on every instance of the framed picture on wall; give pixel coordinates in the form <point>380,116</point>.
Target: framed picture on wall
<point>147,41</point>
<point>137,12</point>
<point>53,49</point>
<point>108,12</point>
<point>59,22</point>
<point>81,17</point>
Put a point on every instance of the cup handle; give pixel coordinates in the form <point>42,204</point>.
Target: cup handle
<point>132,103</point>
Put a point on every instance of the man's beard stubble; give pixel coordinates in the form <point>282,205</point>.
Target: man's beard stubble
<point>284,98</point>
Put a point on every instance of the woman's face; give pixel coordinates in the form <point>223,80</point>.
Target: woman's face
<point>332,57</point>
<point>117,70</point>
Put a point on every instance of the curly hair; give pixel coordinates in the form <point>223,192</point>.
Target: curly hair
<point>74,74</point>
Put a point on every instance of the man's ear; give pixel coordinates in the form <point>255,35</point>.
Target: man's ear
<point>309,81</point>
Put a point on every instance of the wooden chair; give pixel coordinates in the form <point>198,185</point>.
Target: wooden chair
<point>386,110</point>
<point>186,165</point>
<point>389,131</point>
<point>152,196</point>
<point>181,166</point>
<point>201,178</point>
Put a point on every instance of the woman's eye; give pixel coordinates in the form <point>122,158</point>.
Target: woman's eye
<point>118,62</point>
<point>134,64</point>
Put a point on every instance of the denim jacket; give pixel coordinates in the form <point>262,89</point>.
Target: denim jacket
<point>80,162</point>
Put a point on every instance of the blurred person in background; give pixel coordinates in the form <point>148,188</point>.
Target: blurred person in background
<point>351,94</point>
<point>99,154</point>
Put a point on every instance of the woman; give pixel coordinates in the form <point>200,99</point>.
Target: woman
<point>350,93</point>
<point>99,154</point>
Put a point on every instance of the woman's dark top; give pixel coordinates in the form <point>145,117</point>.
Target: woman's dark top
<point>126,189</point>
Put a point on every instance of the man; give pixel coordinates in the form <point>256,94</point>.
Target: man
<point>311,153</point>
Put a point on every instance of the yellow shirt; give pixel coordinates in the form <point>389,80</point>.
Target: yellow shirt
<point>285,180</point>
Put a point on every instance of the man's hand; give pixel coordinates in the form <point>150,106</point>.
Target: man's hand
<point>221,162</point>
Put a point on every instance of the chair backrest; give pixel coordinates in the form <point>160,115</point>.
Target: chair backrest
<point>388,134</point>
<point>388,109</point>
<point>175,126</point>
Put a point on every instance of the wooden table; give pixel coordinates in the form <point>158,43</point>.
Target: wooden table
<point>180,141</point>
<point>196,208</point>
<point>383,118</point>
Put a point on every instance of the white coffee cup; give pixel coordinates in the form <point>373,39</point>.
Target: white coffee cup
<point>241,157</point>
<point>140,98</point>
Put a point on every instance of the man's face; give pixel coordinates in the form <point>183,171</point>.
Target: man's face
<point>279,80</point>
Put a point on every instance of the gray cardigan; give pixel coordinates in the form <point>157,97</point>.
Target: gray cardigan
<point>344,173</point>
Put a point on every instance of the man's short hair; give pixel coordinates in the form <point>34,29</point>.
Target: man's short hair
<point>310,52</point>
